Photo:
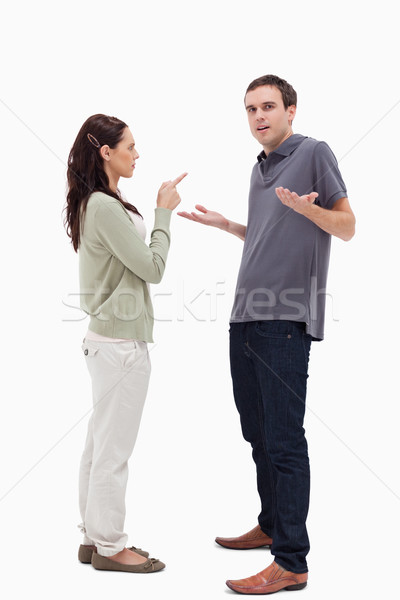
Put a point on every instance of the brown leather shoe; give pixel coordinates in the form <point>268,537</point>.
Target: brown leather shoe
<point>273,579</point>
<point>255,538</point>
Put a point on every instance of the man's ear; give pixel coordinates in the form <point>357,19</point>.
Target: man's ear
<point>291,113</point>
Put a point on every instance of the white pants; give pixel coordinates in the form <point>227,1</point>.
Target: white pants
<point>120,376</point>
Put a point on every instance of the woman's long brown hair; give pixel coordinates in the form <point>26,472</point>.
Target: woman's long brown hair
<point>85,173</point>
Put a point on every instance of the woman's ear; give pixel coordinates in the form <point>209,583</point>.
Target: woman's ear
<point>105,152</point>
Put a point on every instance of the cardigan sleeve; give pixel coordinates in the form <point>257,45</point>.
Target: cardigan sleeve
<point>116,232</point>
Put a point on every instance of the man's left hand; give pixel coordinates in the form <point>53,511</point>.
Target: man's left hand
<point>299,203</point>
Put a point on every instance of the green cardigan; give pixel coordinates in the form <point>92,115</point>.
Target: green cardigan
<point>114,266</point>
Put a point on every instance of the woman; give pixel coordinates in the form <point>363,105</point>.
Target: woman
<point>115,267</point>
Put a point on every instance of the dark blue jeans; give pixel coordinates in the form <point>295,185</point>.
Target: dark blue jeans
<point>269,366</point>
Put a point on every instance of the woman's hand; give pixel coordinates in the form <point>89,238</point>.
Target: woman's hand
<point>168,196</point>
<point>206,217</point>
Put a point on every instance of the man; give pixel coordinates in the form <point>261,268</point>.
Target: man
<point>297,200</point>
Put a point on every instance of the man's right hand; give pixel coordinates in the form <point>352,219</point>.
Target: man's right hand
<point>206,217</point>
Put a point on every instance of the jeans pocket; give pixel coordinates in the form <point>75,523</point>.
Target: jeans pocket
<point>278,330</point>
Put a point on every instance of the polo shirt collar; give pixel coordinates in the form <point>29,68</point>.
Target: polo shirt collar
<point>286,148</point>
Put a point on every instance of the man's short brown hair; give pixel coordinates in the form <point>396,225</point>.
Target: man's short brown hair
<point>289,95</point>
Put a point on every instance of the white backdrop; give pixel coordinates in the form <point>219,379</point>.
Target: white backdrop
<point>176,72</point>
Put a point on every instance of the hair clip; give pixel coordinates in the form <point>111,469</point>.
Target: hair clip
<point>93,140</point>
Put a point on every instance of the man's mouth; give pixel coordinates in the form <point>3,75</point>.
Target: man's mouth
<point>262,127</point>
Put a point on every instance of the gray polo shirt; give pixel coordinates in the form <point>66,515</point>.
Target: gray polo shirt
<point>285,257</point>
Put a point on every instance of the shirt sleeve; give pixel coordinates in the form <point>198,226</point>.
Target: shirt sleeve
<point>328,181</point>
<point>117,233</point>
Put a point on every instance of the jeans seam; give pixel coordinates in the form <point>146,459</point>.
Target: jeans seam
<point>267,458</point>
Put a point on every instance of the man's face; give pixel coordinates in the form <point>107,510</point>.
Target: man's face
<point>269,122</point>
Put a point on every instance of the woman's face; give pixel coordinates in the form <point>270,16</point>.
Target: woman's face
<point>120,161</point>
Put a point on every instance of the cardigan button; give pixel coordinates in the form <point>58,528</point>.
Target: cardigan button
<point>86,352</point>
